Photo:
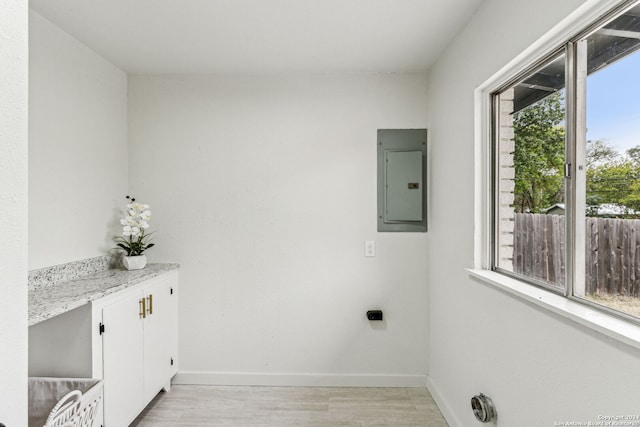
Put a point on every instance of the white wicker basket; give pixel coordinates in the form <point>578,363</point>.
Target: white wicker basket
<point>63,402</point>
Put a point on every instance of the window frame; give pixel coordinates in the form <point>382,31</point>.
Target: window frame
<point>494,181</point>
<point>561,39</point>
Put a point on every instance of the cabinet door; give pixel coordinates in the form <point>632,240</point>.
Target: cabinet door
<point>123,361</point>
<point>160,335</point>
<point>173,328</point>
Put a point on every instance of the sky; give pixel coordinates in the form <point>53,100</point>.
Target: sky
<point>613,103</point>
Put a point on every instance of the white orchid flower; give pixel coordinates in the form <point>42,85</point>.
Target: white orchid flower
<point>134,223</point>
<point>128,221</point>
<point>132,231</point>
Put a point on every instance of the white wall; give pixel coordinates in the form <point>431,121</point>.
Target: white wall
<point>13,212</point>
<point>263,188</point>
<point>77,147</point>
<point>537,367</point>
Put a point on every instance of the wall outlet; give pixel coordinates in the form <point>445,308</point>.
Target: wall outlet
<point>369,248</point>
<point>374,314</point>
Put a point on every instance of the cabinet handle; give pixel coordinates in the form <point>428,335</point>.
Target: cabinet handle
<point>143,309</point>
<point>150,301</point>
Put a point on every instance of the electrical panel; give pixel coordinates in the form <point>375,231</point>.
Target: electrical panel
<point>402,173</point>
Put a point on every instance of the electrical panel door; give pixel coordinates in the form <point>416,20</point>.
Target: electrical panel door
<point>402,155</point>
<point>403,176</point>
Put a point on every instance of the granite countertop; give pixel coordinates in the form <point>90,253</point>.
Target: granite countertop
<point>57,297</point>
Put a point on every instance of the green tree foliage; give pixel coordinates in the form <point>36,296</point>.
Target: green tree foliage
<point>634,155</point>
<point>613,178</point>
<point>539,154</point>
<point>611,183</point>
<point>599,152</point>
<point>632,200</point>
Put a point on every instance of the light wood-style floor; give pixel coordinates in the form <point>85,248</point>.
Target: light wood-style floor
<point>186,406</point>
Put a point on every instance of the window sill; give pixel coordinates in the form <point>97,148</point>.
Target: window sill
<point>611,326</point>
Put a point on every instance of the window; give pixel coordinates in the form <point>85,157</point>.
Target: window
<point>566,168</point>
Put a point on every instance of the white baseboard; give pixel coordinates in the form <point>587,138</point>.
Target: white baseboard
<point>444,407</point>
<point>298,380</point>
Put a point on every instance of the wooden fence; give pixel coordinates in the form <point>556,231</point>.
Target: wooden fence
<point>612,256</point>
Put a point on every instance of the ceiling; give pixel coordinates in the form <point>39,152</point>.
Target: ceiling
<point>262,36</point>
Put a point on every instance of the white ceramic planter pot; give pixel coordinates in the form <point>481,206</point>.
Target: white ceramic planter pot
<point>134,262</point>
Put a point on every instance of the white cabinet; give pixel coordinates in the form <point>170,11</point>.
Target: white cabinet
<point>123,361</point>
<point>129,339</point>
<point>139,347</point>
<point>160,337</point>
